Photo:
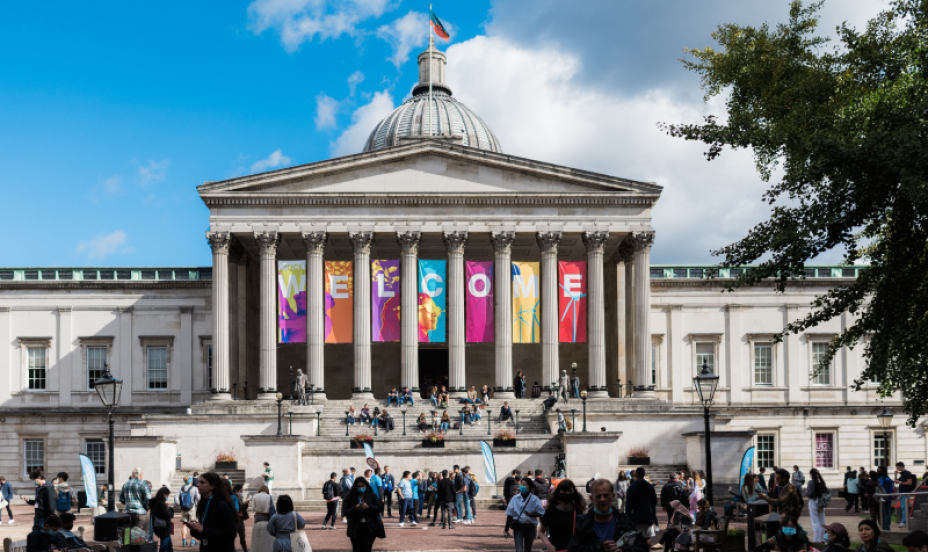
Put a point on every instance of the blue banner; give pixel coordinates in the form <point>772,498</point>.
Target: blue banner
<point>90,481</point>
<point>747,463</point>
<point>368,451</point>
<point>488,462</point>
<point>432,301</point>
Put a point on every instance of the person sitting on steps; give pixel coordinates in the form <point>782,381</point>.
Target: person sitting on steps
<point>505,413</point>
<point>393,396</point>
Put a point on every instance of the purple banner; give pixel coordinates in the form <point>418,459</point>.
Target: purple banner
<point>385,300</point>
<point>478,300</point>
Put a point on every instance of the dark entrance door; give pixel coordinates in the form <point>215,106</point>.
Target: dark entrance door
<point>433,370</point>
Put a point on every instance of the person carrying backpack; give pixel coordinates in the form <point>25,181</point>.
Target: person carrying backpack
<point>63,494</point>
<point>344,486</point>
<point>541,487</point>
<point>330,492</point>
<point>472,492</point>
<point>673,490</point>
<point>186,501</point>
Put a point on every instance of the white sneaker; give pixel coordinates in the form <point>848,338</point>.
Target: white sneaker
<point>401,524</point>
<point>344,520</point>
<point>10,522</point>
<point>414,523</point>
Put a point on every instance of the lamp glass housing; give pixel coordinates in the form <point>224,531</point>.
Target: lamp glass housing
<point>108,389</point>
<point>885,418</point>
<point>706,384</point>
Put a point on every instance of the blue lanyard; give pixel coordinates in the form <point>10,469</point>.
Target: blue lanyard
<point>203,520</point>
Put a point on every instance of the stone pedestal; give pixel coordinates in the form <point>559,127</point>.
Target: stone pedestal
<point>590,453</point>
<point>157,456</point>
<point>285,455</point>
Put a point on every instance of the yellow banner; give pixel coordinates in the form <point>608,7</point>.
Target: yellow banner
<point>526,325</point>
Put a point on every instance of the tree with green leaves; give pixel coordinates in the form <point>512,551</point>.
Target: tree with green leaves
<point>848,125</point>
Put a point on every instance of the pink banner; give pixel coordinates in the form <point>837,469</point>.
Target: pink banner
<point>478,299</point>
<point>571,293</point>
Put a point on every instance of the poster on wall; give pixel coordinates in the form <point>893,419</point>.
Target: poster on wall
<point>432,301</point>
<point>385,300</point>
<point>478,301</point>
<point>571,300</point>
<point>291,287</point>
<point>526,326</point>
<point>339,301</point>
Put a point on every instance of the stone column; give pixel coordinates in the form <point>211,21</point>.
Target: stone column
<point>454,242</point>
<point>502,297</point>
<point>315,312</point>
<point>642,315</point>
<point>361,241</point>
<point>596,313</point>
<point>267,245</point>
<point>624,257</point>
<point>409,308</point>
<point>547,243</point>
<point>219,243</point>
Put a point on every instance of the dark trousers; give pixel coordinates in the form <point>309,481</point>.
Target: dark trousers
<point>446,508</point>
<point>473,508</point>
<point>38,521</point>
<point>388,503</point>
<point>669,512</point>
<point>363,542</point>
<point>524,535</point>
<point>331,510</point>
<point>7,511</point>
<point>852,500</point>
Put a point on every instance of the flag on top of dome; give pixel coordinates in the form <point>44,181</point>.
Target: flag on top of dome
<point>438,27</point>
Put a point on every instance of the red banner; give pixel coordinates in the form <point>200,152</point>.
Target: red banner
<point>571,300</point>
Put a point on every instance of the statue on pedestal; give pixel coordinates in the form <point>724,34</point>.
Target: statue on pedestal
<point>302,381</point>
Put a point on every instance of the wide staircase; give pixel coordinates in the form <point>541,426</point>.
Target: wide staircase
<point>659,474</point>
<point>236,476</point>
<point>333,422</point>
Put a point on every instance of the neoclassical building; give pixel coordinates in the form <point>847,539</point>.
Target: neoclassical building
<point>430,258</point>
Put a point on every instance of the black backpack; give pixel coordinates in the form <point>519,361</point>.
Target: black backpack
<point>679,492</point>
<point>328,491</point>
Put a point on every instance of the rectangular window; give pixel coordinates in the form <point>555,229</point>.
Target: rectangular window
<point>209,366</point>
<point>705,352</point>
<point>65,274</point>
<point>848,273</point>
<point>31,275</point>
<point>882,455</point>
<point>822,372</point>
<point>48,274</point>
<point>106,274</point>
<point>825,451</point>
<point>96,451</point>
<point>657,272</point>
<point>696,273</point>
<point>679,273</point>
<point>206,274</point>
<point>37,367</point>
<point>96,359</point>
<point>123,274</point>
<point>157,367</point>
<point>34,455</point>
<point>766,451</point>
<point>148,274</point>
<point>90,275</point>
<point>763,364</point>
<point>165,275</point>
<point>654,364</point>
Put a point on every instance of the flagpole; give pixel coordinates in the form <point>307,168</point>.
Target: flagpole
<point>430,71</point>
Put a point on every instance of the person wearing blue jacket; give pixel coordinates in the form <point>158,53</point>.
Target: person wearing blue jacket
<point>6,491</point>
<point>889,487</point>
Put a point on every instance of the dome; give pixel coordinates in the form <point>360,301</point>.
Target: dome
<point>432,114</point>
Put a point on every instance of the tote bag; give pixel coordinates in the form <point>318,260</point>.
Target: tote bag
<point>299,542</point>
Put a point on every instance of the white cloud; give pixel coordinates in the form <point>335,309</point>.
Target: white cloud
<point>354,80</point>
<point>298,21</point>
<point>326,109</point>
<point>152,171</point>
<point>276,159</point>
<point>404,34</point>
<point>105,245</point>
<point>112,185</point>
<point>363,121</point>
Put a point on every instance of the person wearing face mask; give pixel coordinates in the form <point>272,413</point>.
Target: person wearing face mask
<point>525,509</point>
<point>44,500</point>
<point>46,538</point>
<point>603,529</point>
<point>363,509</point>
<point>836,538</point>
<point>559,522</point>
<point>916,541</point>
<point>790,538</point>
<point>869,534</point>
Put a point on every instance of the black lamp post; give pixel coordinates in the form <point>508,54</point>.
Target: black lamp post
<point>108,389</point>
<point>291,383</point>
<point>706,384</point>
<point>886,419</point>
<point>404,422</point>
<point>583,396</point>
<point>489,420</point>
<point>246,390</point>
<point>517,422</point>
<point>311,386</point>
<point>280,399</point>
<point>347,424</point>
<point>318,424</point>
<point>290,413</point>
<point>234,391</point>
<point>573,419</point>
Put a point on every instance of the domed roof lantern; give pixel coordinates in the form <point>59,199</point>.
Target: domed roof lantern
<point>436,68</point>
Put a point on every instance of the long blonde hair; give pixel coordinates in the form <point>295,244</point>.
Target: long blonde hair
<point>697,478</point>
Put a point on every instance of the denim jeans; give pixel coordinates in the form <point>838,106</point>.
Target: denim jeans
<point>903,504</point>
<point>887,515</point>
<point>395,399</point>
<point>524,536</point>
<point>444,426</point>
<point>463,506</point>
<point>166,545</point>
<point>402,508</point>
<point>433,400</point>
<point>409,509</point>
<point>38,522</point>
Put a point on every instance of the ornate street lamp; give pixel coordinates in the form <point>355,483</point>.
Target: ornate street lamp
<point>706,384</point>
<point>108,389</point>
<point>318,424</point>
<point>886,420</point>
<point>404,422</point>
<point>280,399</point>
<point>489,420</point>
<point>583,395</point>
<point>311,388</point>
<point>573,420</point>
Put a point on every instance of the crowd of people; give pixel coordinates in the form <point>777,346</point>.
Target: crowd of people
<point>470,414</point>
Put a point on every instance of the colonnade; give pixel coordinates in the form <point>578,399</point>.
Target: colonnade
<point>455,243</point>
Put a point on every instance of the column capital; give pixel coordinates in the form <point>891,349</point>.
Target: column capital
<point>595,242</point>
<point>267,242</point>
<point>314,242</point>
<point>502,241</point>
<point>548,241</point>
<point>219,242</point>
<point>642,240</point>
<point>409,242</point>
<point>455,241</point>
<point>361,241</point>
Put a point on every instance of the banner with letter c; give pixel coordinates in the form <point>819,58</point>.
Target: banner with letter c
<point>571,300</point>
<point>432,301</point>
<point>478,301</point>
<point>339,302</point>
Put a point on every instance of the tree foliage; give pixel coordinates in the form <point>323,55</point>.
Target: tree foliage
<point>847,124</point>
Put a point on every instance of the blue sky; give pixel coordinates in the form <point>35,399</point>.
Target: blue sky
<point>112,113</point>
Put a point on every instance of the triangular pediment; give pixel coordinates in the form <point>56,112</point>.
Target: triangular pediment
<point>427,167</point>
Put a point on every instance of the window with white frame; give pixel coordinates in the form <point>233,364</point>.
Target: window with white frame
<point>825,450</point>
<point>819,368</point>
<point>38,367</point>
<point>766,450</point>
<point>705,353</point>
<point>763,364</point>
<point>96,361</point>
<point>882,449</point>
<point>33,455</point>
<point>96,451</point>
<point>157,367</point>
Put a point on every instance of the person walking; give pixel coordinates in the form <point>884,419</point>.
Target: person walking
<point>389,484</point>
<point>268,477</point>
<point>261,540</point>
<point>43,501</point>
<point>404,488</point>
<point>241,512</point>
<point>63,494</point>
<point>541,488</point>
<point>605,529</point>
<point>819,496</point>
<point>344,486</point>
<point>797,479</point>
<point>364,511</point>
<point>330,493</point>
<point>414,503</point>
<point>465,499</point>
<point>888,487</point>
<point>284,523</point>
<point>559,522</point>
<point>788,501</point>
<point>906,482</point>
<point>161,519</point>
<point>136,495</point>
<point>642,504</point>
<point>621,490</point>
<point>525,509</point>
<point>216,525</point>
<point>564,387</point>
<point>673,490</point>
<point>510,489</point>
<point>852,492</point>
<point>6,493</point>
<point>445,496</point>
<point>186,501</point>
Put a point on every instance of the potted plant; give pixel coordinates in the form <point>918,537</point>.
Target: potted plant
<point>638,456</point>
<point>734,541</point>
<point>225,461</point>
<point>504,438</point>
<point>358,440</point>
<point>433,439</point>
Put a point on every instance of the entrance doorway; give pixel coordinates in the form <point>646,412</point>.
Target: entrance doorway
<point>433,370</point>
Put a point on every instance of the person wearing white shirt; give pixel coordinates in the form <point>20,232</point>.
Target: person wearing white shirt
<point>525,509</point>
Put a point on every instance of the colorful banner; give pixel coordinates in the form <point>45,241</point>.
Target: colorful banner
<point>488,462</point>
<point>526,326</point>
<point>432,301</point>
<point>291,286</point>
<point>89,475</point>
<point>571,301</point>
<point>339,302</point>
<point>385,300</point>
<point>747,464</point>
<point>478,301</point>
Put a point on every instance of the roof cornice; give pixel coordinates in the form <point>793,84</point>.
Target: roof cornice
<point>455,198</point>
<point>106,284</point>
